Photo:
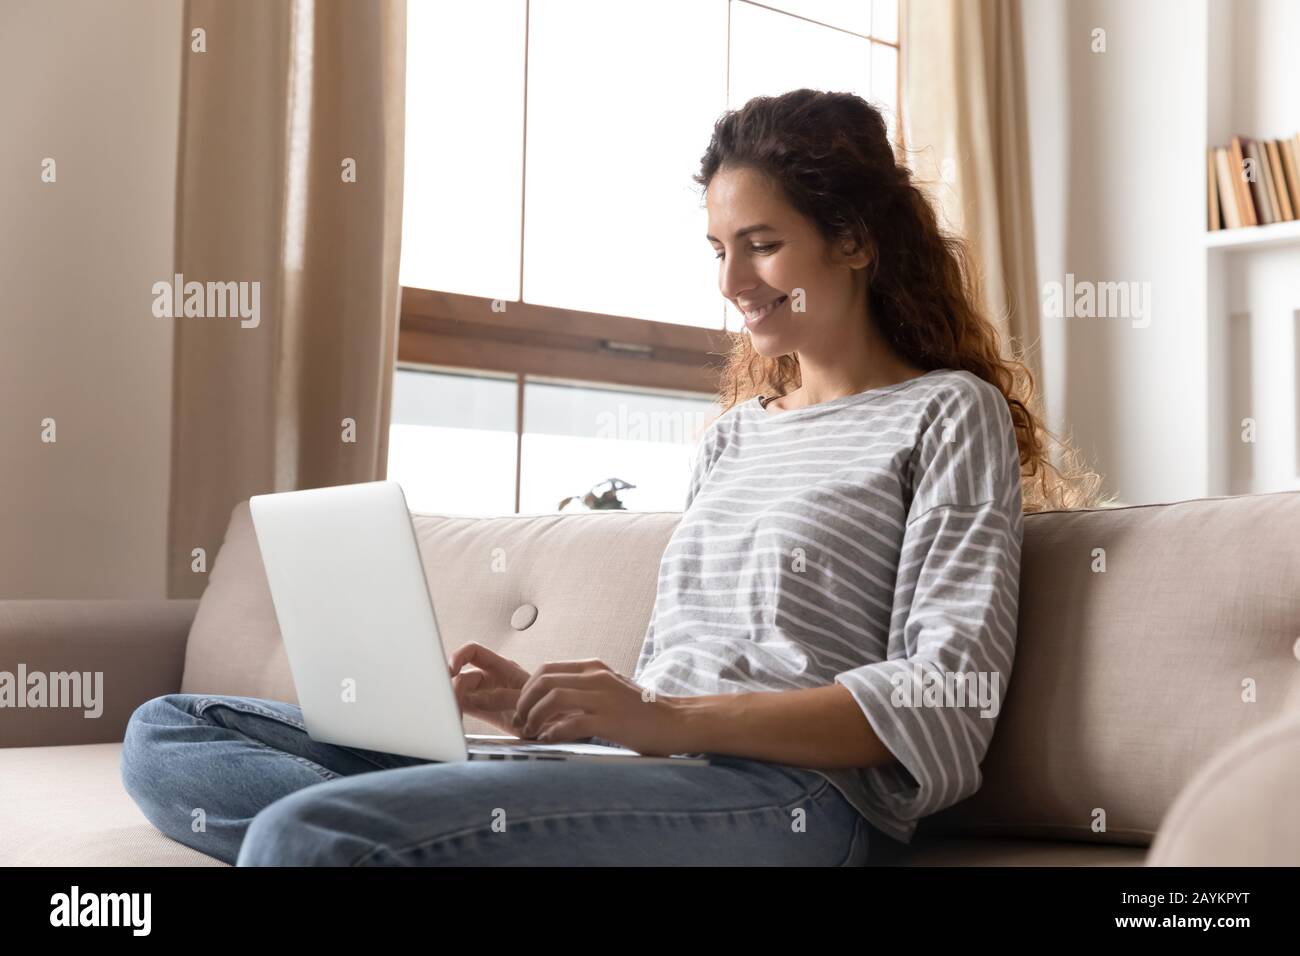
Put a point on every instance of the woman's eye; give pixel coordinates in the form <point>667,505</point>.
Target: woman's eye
<point>763,248</point>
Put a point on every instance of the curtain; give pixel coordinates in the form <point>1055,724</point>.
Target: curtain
<point>965,121</point>
<point>289,197</point>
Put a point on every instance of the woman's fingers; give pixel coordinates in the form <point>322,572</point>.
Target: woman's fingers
<point>473,653</point>
<point>486,659</point>
<point>475,690</point>
<point>552,676</point>
<point>573,727</point>
<point>551,669</point>
<point>492,698</point>
<point>468,681</point>
<point>556,702</point>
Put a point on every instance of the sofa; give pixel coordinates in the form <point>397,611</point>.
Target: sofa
<point>1152,717</point>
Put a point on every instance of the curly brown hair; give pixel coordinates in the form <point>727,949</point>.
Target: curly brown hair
<point>831,156</point>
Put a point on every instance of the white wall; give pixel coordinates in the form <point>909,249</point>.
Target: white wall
<point>95,86</point>
<point>1254,292</point>
<point>1119,192</point>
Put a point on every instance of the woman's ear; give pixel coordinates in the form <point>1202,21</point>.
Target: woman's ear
<point>854,256</point>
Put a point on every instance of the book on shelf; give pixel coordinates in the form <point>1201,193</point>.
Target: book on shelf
<point>1224,212</point>
<point>1290,152</point>
<point>1261,187</point>
<point>1245,204</point>
<point>1285,206</point>
<point>1253,182</point>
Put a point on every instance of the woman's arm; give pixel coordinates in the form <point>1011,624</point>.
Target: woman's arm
<point>814,727</point>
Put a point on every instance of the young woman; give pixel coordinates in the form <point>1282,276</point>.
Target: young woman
<point>835,615</point>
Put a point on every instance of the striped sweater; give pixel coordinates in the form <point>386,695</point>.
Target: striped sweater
<point>872,540</point>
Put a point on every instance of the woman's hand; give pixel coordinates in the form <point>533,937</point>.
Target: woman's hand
<point>575,700</point>
<point>489,690</point>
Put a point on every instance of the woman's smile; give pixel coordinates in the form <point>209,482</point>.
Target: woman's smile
<point>754,316</point>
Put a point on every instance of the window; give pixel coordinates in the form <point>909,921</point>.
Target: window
<point>452,443</point>
<point>554,265</point>
<point>458,446</point>
<point>464,147</point>
<point>621,99</point>
<point>576,437</point>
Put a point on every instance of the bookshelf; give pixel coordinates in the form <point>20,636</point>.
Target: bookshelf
<point>1274,234</point>
<point>1252,273</point>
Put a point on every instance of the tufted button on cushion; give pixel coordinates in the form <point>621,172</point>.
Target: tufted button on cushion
<point>524,615</point>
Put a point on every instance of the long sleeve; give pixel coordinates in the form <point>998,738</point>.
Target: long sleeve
<point>934,701</point>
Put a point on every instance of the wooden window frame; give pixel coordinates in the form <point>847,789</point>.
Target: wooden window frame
<point>447,331</point>
<point>456,331</point>
<point>451,330</point>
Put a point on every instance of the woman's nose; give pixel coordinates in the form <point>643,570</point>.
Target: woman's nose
<point>735,278</point>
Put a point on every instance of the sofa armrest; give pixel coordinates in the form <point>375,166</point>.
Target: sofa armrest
<point>123,652</point>
<point>1239,809</point>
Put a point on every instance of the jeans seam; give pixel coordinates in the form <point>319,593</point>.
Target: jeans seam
<point>247,708</point>
<point>427,842</point>
<point>324,772</point>
<point>859,830</point>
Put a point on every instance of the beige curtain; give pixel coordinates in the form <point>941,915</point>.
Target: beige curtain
<point>965,122</point>
<point>284,103</point>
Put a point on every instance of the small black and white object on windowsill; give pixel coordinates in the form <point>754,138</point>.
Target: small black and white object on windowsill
<point>600,500</point>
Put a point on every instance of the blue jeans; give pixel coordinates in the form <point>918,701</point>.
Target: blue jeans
<point>238,778</point>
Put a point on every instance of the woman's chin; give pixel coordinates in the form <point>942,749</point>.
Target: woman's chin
<point>768,346</point>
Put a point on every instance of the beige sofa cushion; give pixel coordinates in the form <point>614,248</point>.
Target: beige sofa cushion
<point>591,578</point>
<point>1240,808</point>
<point>65,806</point>
<point>1126,681</point>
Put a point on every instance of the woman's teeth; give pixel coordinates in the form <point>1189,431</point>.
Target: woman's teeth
<point>761,313</point>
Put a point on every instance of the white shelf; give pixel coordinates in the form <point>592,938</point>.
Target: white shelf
<point>1274,234</point>
<point>1252,300</point>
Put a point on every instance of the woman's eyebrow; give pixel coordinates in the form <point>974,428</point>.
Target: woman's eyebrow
<point>742,232</point>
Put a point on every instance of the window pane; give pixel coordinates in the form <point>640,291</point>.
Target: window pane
<point>576,437</point>
<point>884,20</point>
<point>621,104</point>
<point>452,442</point>
<point>772,53</point>
<point>852,15</point>
<point>884,85</point>
<point>464,147</point>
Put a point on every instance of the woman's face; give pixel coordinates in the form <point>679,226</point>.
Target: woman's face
<point>772,266</point>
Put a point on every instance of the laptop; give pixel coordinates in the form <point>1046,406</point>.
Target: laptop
<point>350,593</point>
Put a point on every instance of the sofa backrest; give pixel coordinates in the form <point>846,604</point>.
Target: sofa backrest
<point>1149,637</point>
<point>1127,680</point>
<point>532,587</point>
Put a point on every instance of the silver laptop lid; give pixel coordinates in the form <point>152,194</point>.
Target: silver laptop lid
<point>355,613</point>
